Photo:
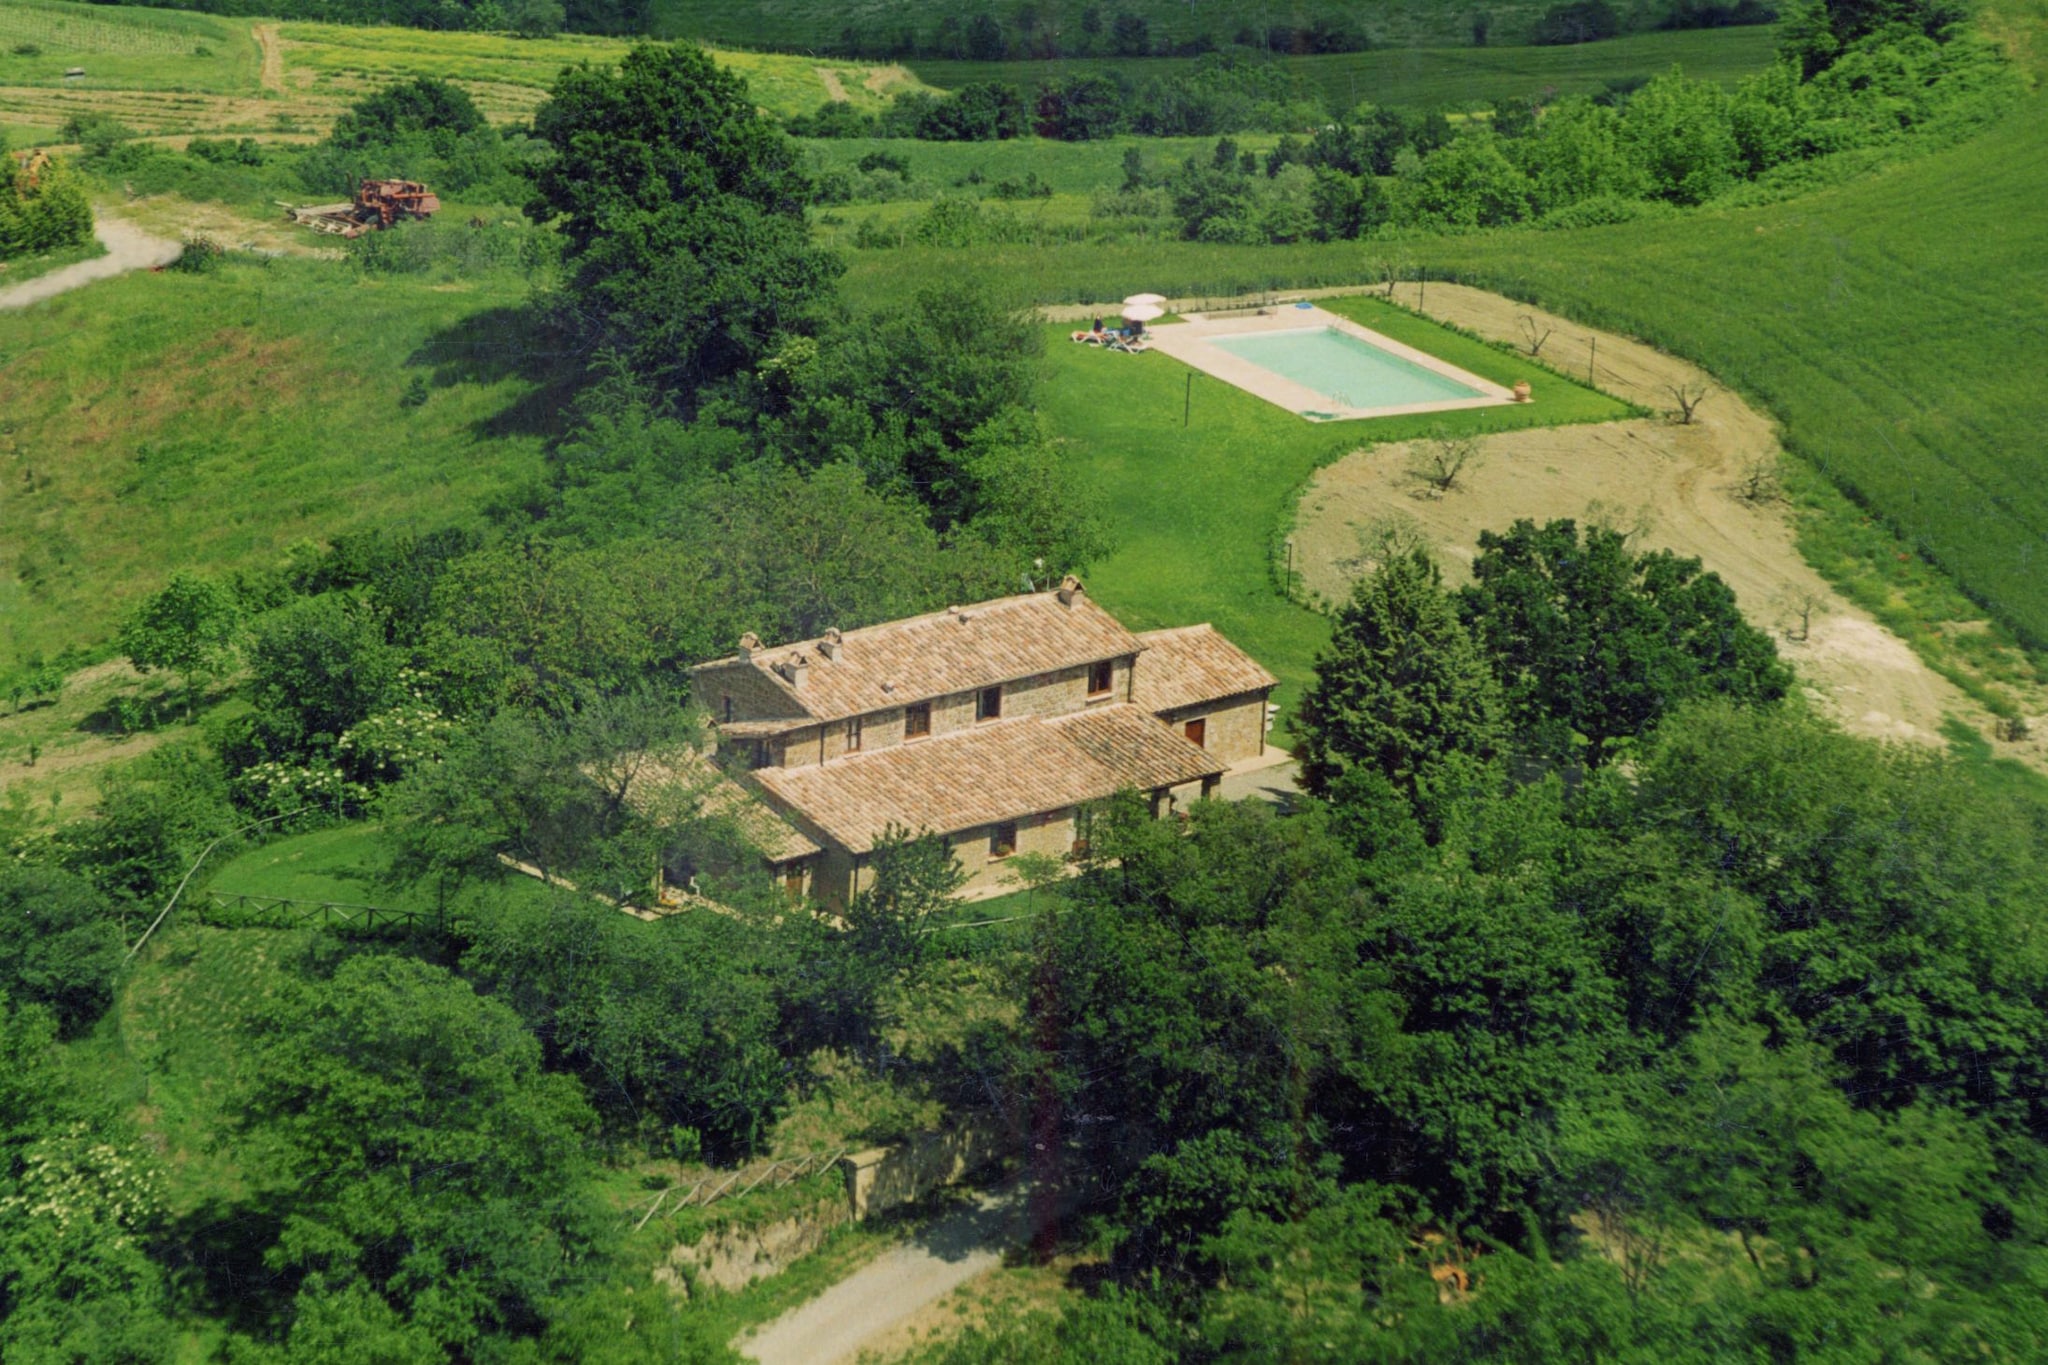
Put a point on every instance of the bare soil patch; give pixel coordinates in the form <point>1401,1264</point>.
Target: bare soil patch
<point>1678,487</point>
<point>174,216</point>
<point>835,89</point>
<point>882,79</point>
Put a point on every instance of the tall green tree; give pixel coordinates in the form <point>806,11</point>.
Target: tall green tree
<point>1401,686</point>
<point>682,208</point>
<point>437,1175</point>
<point>188,627</point>
<point>60,943</point>
<point>1594,644</point>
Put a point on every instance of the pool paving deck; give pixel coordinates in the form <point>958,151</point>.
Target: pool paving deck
<point>1190,343</point>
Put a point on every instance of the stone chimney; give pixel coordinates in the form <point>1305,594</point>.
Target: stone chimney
<point>794,670</point>
<point>831,644</point>
<point>748,644</point>
<point>1070,588</point>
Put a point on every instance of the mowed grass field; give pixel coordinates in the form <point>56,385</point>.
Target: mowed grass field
<point>162,422</point>
<point>1440,77</point>
<point>171,73</point>
<point>1196,508</point>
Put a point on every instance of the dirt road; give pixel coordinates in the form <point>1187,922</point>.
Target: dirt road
<point>128,248</point>
<point>881,1295</point>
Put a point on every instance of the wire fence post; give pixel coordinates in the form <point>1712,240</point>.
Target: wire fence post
<point>1592,350</point>
<point>1187,406</point>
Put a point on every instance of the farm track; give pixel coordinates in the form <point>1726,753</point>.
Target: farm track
<point>1675,484</point>
<point>273,57</point>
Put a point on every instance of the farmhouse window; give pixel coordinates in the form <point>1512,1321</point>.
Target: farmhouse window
<point>917,720</point>
<point>1197,731</point>
<point>989,705</point>
<point>1002,839</point>
<point>1101,677</point>
<point>853,735</point>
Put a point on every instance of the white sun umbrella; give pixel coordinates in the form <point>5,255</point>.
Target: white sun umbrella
<point>1142,312</point>
<point>1146,298</point>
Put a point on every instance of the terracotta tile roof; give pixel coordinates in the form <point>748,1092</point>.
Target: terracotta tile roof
<point>1193,664</point>
<point>990,773</point>
<point>1136,746</point>
<point>687,781</point>
<point>946,652</point>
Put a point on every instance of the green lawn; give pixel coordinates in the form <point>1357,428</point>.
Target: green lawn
<point>1197,510</point>
<point>348,863</point>
<point>1428,78</point>
<point>162,422</point>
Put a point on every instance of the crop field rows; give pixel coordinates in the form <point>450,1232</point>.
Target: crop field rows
<point>330,58</point>
<point>154,113</point>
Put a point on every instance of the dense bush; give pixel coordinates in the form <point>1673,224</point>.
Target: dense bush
<point>422,129</point>
<point>1670,140</point>
<point>61,944</point>
<point>46,211</point>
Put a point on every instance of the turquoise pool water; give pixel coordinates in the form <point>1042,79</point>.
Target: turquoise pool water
<point>1350,372</point>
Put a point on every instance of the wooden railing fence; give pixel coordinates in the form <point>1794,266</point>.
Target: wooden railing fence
<point>325,914</point>
<point>711,1189</point>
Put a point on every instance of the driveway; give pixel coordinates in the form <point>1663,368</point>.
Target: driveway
<point>1273,776</point>
<point>128,248</point>
<point>893,1287</point>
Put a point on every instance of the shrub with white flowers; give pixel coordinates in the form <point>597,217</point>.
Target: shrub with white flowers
<point>384,747</point>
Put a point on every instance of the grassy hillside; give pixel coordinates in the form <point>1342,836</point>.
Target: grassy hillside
<point>159,422</point>
<point>881,24</point>
<point>124,47</point>
<point>1432,77</point>
<point>166,72</point>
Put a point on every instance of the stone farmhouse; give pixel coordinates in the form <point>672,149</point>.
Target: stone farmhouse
<point>991,724</point>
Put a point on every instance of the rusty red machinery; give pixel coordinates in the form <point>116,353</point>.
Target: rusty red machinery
<point>378,204</point>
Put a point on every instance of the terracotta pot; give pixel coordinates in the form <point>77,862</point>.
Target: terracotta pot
<point>1522,391</point>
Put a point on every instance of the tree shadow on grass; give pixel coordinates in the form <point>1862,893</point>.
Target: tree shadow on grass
<point>531,343</point>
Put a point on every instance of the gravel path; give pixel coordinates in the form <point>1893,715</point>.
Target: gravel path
<point>128,248</point>
<point>882,1294</point>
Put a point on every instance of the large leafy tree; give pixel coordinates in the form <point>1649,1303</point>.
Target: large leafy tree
<point>683,213</point>
<point>187,627</point>
<point>60,945</point>
<point>437,1173</point>
<point>1594,644</point>
<point>1401,686</point>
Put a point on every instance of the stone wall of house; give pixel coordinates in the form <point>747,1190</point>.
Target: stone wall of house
<point>1236,726</point>
<point>1050,833</point>
<point>754,697</point>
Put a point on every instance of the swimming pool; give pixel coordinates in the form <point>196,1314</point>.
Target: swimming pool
<point>1348,370</point>
<point>1322,366</point>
